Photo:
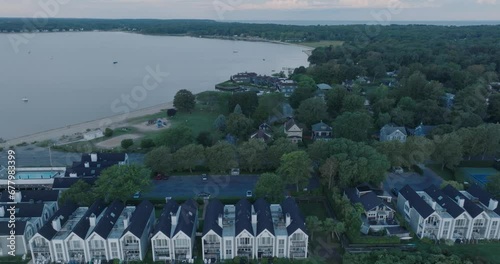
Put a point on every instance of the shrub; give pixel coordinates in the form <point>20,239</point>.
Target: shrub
<point>108,132</point>
<point>147,143</point>
<point>127,143</point>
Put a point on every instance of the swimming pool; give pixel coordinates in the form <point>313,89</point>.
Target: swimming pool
<point>26,175</point>
<point>481,178</point>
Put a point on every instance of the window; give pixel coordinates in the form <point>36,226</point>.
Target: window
<point>407,208</point>
<point>181,242</point>
<point>494,223</point>
<point>161,243</point>
<point>281,243</point>
<point>228,252</point>
<point>265,241</point>
<point>113,245</point>
<point>460,222</point>
<point>447,224</point>
<point>298,237</point>
<point>281,251</point>
<point>445,232</point>
<point>131,240</point>
<point>244,241</point>
<point>76,245</point>
<point>479,222</point>
<point>211,238</point>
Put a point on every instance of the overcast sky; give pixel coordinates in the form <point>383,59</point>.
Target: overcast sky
<point>366,10</point>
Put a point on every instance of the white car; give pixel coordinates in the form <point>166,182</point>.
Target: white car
<point>249,194</point>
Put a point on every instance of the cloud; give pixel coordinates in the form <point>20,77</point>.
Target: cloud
<point>336,4</point>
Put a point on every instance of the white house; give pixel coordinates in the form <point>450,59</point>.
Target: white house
<point>41,246</point>
<point>244,231</point>
<point>390,132</point>
<point>262,222</point>
<point>135,239</point>
<point>211,240</point>
<point>293,131</point>
<point>184,224</point>
<point>161,241</point>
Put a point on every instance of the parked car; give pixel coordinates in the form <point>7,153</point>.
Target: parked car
<point>137,195</point>
<point>235,171</point>
<point>395,192</point>
<point>249,194</point>
<point>398,170</point>
<point>204,195</point>
<point>160,177</point>
<point>204,177</point>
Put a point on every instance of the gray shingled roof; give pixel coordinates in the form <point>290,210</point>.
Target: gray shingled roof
<point>321,127</point>
<point>165,221</point>
<point>35,195</point>
<point>26,210</point>
<point>289,206</point>
<point>416,202</point>
<point>243,217</point>
<point>444,201</point>
<point>82,227</point>
<point>63,214</point>
<point>369,200</point>
<point>211,221</point>
<point>108,220</point>
<point>469,206</point>
<point>19,229</point>
<point>187,217</point>
<point>139,218</point>
<point>264,217</point>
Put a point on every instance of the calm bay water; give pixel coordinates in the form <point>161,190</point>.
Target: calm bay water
<point>70,78</point>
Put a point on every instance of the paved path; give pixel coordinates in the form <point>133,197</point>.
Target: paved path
<point>189,186</point>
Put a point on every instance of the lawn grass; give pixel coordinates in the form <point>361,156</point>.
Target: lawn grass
<point>488,251</point>
<point>313,208</point>
<point>325,43</point>
<point>446,174</point>
<point>198,120</point>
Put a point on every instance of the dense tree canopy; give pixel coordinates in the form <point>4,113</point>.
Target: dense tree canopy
<point>184,100</point>
<point>121,182</point>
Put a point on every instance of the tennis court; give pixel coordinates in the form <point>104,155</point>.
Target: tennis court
<point>478,175</point>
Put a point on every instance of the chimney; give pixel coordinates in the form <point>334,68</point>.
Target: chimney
<point>2,211</point>
<point>93,157</point>
<point>460,201</point>
<point>86,164</point>
<point>288,221</point>
<point>18,197</point>
<point>433,205</point>
<point>174,219</point>
<point>254,218</point>
<point>92,219</point>
<point>126,221</point>
<point>493,204</point>
<point>220,220</point>
<point>56,224</point>
<point>72,174</point>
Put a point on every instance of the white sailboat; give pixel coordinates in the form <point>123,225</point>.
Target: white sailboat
<point>25,99</point>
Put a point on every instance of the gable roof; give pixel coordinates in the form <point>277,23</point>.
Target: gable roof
<point>321,127</point>
<point>469,206</point>
<point>211,221</point>
<point>19,228</point>
<point>416,202</point>
<point>369,200</point>
<point>35,195</point>
<point>63,214</point>
<point>82,227</point>
<point>111,215</point>
<point>444,201</point>
<point>324,86</point>
<point>243,217</point>
<point>187,218</point>
<point>290,123</point>
<point>481,194</point>
<point>140,218</point>
<point>390,129</point>
<point>289,206</point>
<point>261,134</point>
<point>264,217</point>
<point>26,210</point>
<point>165,221</point>
<point>421,130</point>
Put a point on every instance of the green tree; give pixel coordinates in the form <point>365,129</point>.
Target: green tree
<point>221,157</point>
<point>175,138</point>
<point>220,123</point>
<point>269,105</point>
<point>248,102</point>
<point>279,147</point>
<point>393,150</point>
<point>295,168</point>
<point>493,185</point>
<point>448,150</point>
<point>353,103</point>
<point>354,126</point>
<point>108,132</point>
<point>300,94</point>
<point>160,160</point>
<point>80,193</point>
<point>251,154</point>
<point>334,100</point>
<point>271,187</point>
<point>127,143</point>
<point>237,109</point>
<point>121,182</point>
<point>184,100</point>
<point>417,150</point>
<point>311,111</point>
<point>494,108</point>
<point>238,125</point>
<point>205,139</point>
<point>187,157</point>
<point>455,184</point>
<point>331,226</point>
<point>329,170</point>
<point>313,224</point>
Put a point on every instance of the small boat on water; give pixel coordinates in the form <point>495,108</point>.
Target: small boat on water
<point>115,62</point>
<point>25,99</point>
<point>235,51</point>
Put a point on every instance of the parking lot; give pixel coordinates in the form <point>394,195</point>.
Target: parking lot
<point>220,186</point>
<point>416,181</point>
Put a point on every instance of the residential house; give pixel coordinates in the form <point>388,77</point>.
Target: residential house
<point>29,219</point>
<point>322,131</point>
<point>378,213</point>
<point>293,131</point>
<point>41,246</point>
<point>185,223</point>
<point>98,249</point>
<point>391,132</point>
<point>287,87</point>
<point>490,206</point>
<point>135,238</point>
<point>421,130</point>
<point>297,244</point>
<point>161,242</point>
<point>324,87</point>
<point>74,232</point>
<point>244,231</point>
<point>211,240</point>
<point>262,135</point>
<point>47,197</point>
<point>262,222</point>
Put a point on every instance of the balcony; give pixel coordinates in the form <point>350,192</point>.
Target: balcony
<point>131,247</point>
<point>298,244</point>
<point>41,249</point>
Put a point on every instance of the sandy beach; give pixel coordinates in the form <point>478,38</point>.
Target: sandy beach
<point>111,122</point>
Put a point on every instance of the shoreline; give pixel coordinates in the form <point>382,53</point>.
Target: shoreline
<point>112,122</point>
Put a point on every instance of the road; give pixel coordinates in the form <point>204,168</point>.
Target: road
<point>416,181</point>
<point>33,156</point>
<point>224,186</point>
